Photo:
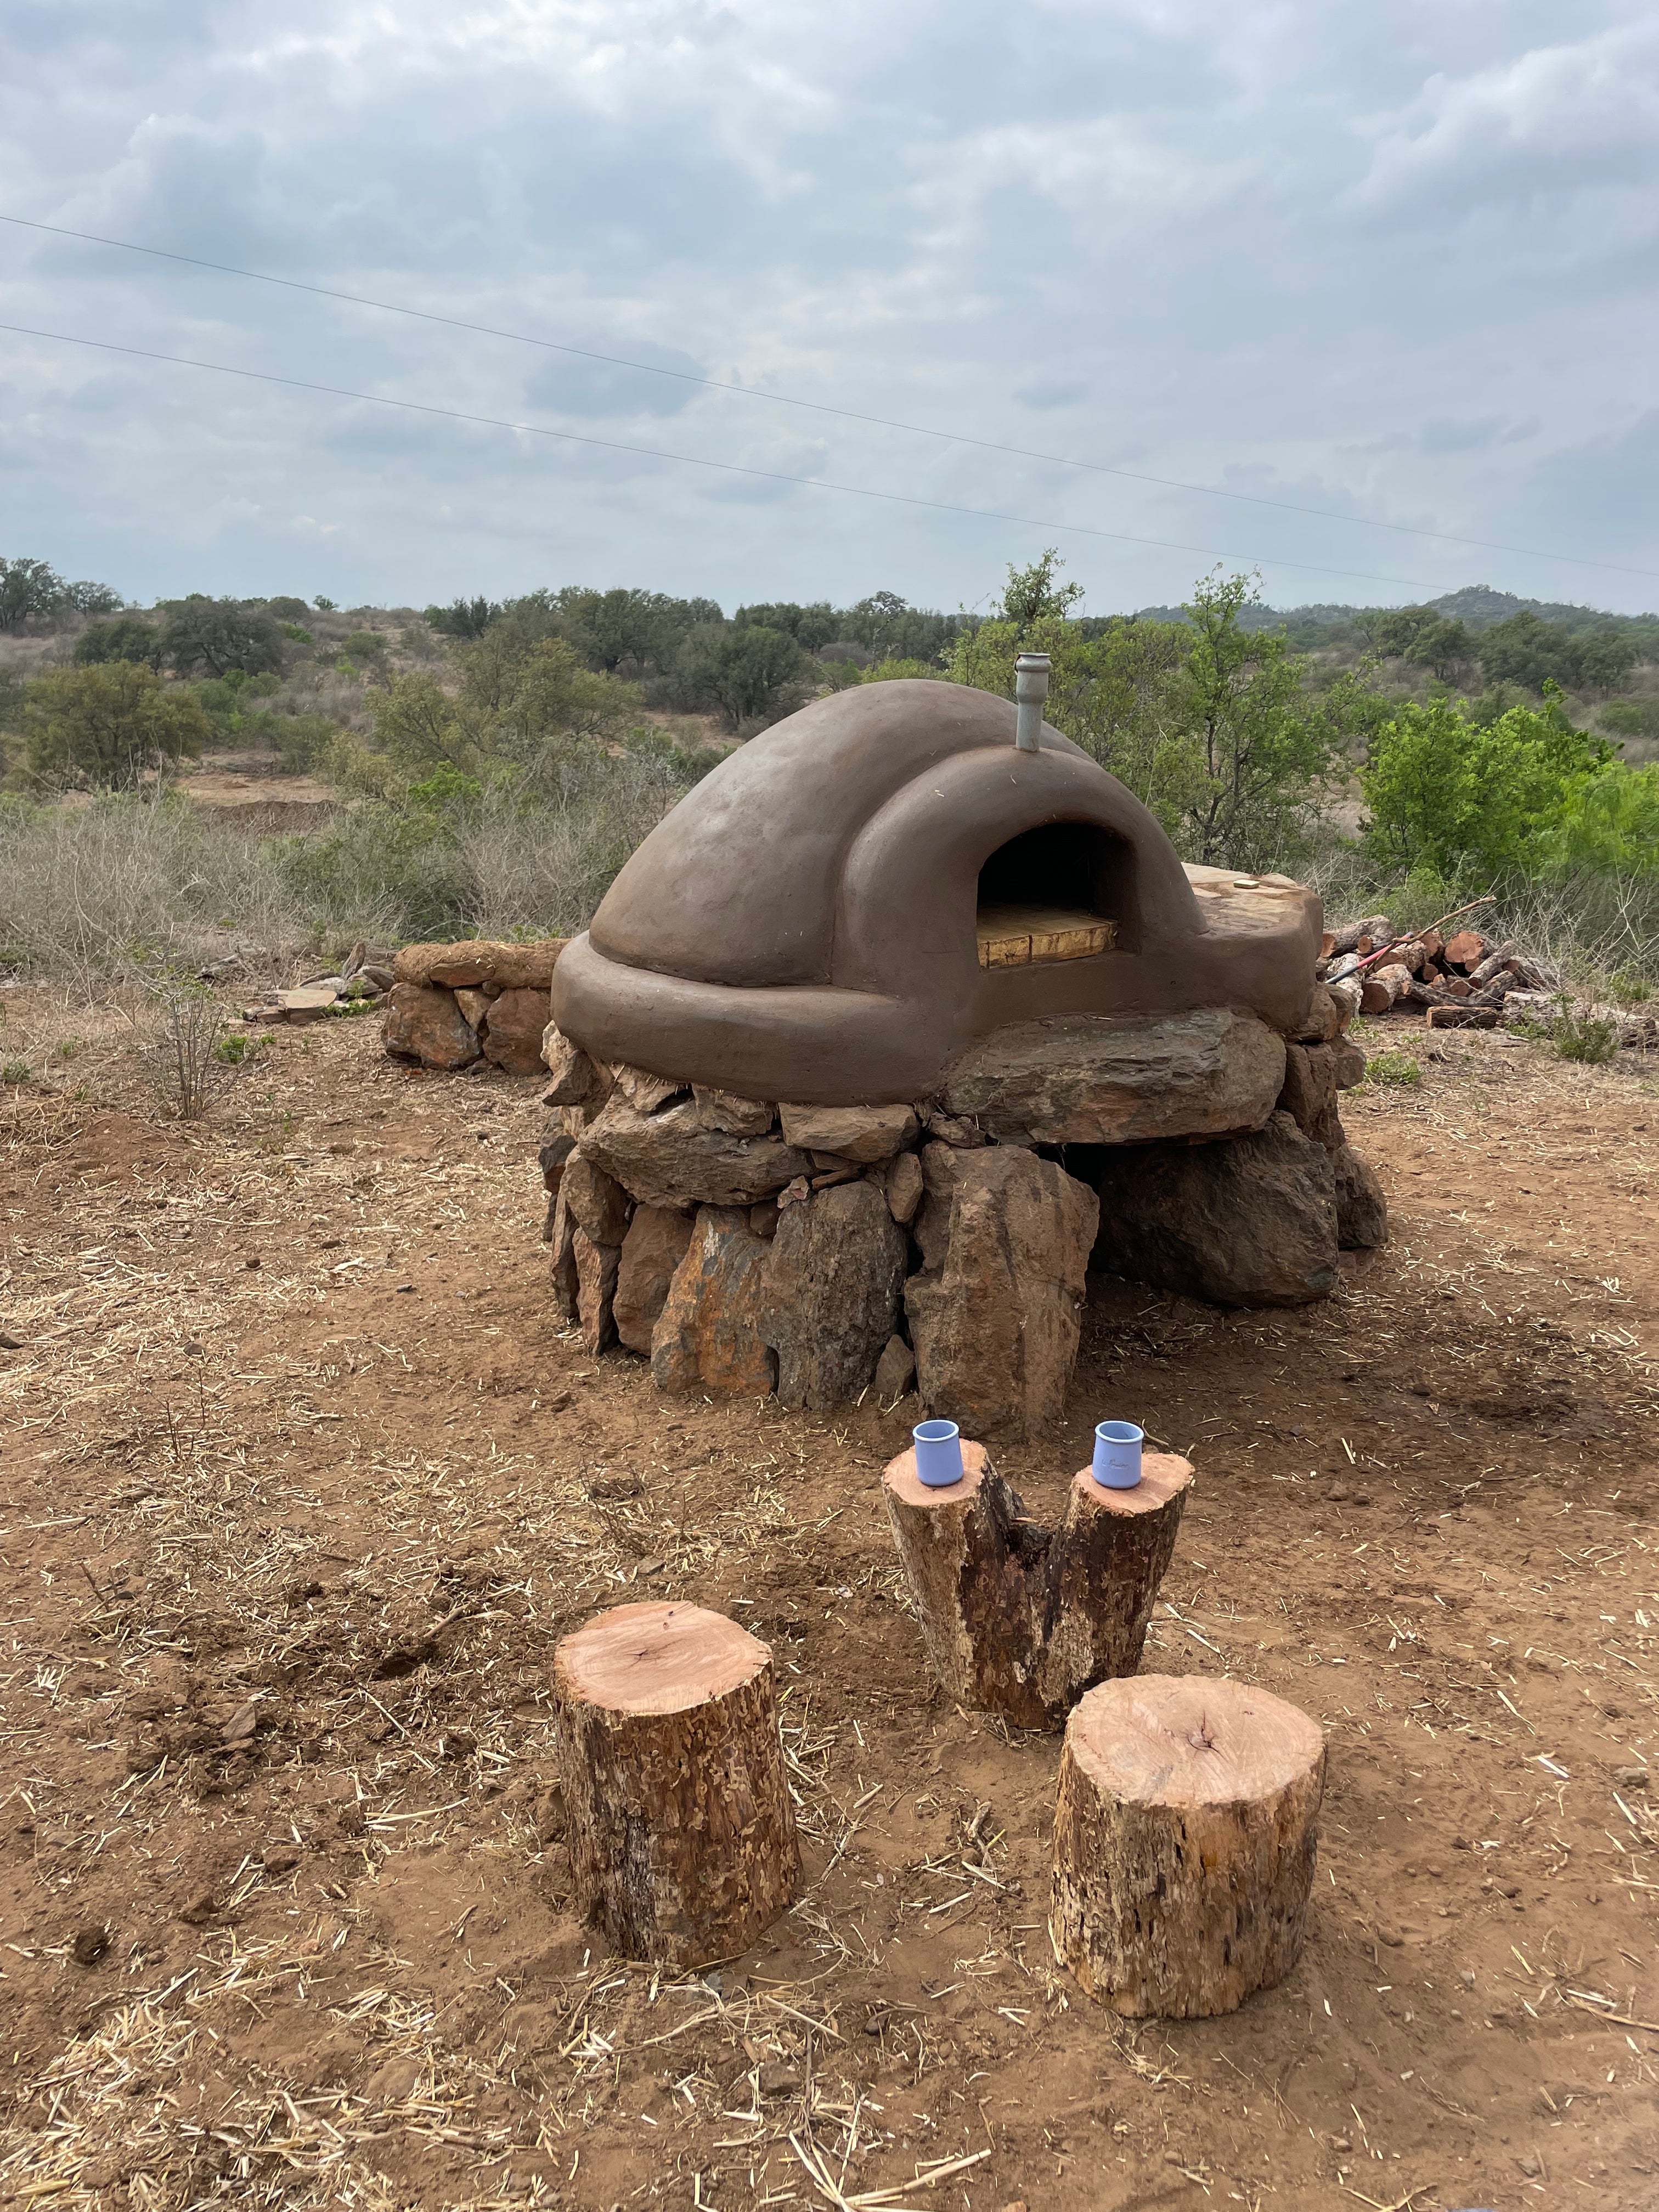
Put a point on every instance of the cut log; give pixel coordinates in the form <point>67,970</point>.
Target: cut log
<point>1494,964</point>
<point>1186,1828</point>
<point>1466,949</point>
<point>681,1839</point>
<point>1463,1017</point>
<point>1383,986</point>
<point>1433,942</point>
<point>1021,1620</point>
<point>1375,925</point>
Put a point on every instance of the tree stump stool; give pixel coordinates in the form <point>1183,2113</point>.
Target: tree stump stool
<point>682,1836</point>
<point>1019,1620</point>
<point>1186,1828</point>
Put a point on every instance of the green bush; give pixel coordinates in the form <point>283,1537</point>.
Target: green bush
<point>363,645</point>
<point>1631,718</point>
<point>130,638</point>
<point>1474,804</point>
<point>104,728</point>
<point>1579,1035</point>
<point>297,634</point>
<point>1395,1067</point>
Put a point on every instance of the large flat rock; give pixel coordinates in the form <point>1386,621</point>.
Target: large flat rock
<point>1250,1221</point>
<point>1121,1079</point>
<point>672,1159</point>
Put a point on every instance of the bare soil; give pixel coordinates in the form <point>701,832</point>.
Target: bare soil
<point>302,1484</point>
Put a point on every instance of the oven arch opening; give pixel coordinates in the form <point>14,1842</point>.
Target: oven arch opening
<point>1063,891</point>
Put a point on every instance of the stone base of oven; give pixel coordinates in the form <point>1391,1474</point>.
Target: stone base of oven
<point>745,1247</point>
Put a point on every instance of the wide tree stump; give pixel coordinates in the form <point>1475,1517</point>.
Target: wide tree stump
<point>1019,1620</point>
<point>682,1836</point>
<point>1186,1828</point>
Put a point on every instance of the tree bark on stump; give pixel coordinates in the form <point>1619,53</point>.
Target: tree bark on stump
<point>1019,1620</point>
<point>682,1835</point>
<point>1186,1827</point>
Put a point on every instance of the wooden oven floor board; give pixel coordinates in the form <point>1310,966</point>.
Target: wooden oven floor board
<point>1018,936</point>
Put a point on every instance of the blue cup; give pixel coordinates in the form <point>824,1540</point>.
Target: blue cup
<point>1116,1463</point>
<point>939,1453</point>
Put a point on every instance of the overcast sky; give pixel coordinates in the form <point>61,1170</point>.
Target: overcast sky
<point>1395,262</point>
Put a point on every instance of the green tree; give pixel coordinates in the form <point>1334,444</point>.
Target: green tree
<point>1474,805</point>
<point>1260,748</point>
<point>206,637</point>
<point>610,628</point>
<point>1528,651</point>
<point>818,624</point>
<point>750,675</point>
<point>129,638</point>
<point>104,728</point>
<point>1032,595</point>
<point>29,590</point>
<point>462,618</point>
<point>511,710</point>
<point>87,598</point>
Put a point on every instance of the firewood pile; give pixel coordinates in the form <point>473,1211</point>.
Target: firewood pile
<point>1460,979</point>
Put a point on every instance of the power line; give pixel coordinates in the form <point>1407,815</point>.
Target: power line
<point>694,461</point>
<point>843,414</point>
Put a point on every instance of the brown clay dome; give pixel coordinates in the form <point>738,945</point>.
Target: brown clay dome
<point>851,898</point>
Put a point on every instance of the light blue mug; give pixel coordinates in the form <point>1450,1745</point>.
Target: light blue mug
<point>1116,1464</point>
<point>939,1453</point>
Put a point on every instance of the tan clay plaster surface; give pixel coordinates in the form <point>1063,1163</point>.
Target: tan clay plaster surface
<point>803,924</point>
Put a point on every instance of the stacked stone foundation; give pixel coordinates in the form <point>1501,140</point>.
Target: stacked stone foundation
<point>942,1246</point>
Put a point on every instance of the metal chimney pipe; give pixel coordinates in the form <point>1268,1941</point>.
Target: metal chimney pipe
<point>1030,689</point>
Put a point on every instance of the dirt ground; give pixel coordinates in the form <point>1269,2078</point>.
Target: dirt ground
<point>302,1484</point>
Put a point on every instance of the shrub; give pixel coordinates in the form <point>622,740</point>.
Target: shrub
<point>181,1055</point>
<point>1470,802</point>
<point>297,634</point>
<point>287,609</point>
<point>752,675</point>
<point>1577,1034</point>
<point>1631,718</point>
<point>1395,1067</point>
<point>106,727</point>
<point>15,1071</point>
<point>131,638</point>
<point>363,645</point>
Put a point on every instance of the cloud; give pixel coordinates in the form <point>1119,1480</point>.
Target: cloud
<point>1051,392</point>
<point>1397,263</point>
<point>572,386</point>
<point>1573,116</point>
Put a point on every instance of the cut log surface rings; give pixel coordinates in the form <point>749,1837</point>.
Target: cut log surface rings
<point>682,1837</point>
<point>1019,1620</point>
<point>1186,1828</point>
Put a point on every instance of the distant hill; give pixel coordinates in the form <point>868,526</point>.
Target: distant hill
<point>1477,604</point>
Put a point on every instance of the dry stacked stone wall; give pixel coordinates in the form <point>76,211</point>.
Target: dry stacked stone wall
<point>942,1246</point>
<point>455,1006</point>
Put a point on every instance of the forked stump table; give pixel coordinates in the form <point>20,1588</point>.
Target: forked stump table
<point>682,1837</point>
<point>1020,1619</point>
<point>1185,1832</point>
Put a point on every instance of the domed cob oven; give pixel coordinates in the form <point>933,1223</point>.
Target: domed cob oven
<point>889,1025</point>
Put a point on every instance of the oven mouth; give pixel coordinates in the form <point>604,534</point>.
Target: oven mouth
<point>1064,891</point>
